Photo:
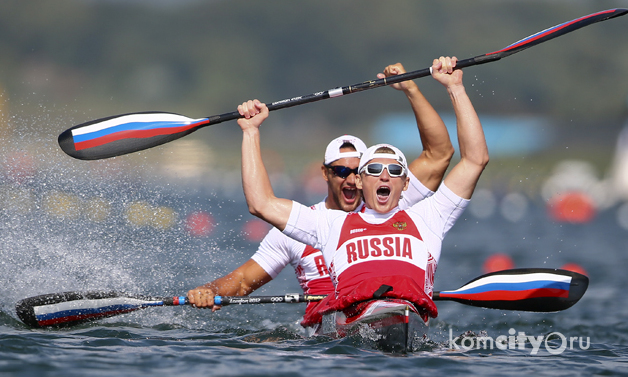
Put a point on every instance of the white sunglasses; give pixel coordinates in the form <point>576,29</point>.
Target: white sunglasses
<point>376,169</point>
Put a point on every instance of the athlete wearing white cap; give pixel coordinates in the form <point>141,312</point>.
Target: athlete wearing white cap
<point>383,245</point>
<point>339,170</point>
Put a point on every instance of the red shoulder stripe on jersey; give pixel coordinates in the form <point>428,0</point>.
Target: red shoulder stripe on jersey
<point>309,250</point>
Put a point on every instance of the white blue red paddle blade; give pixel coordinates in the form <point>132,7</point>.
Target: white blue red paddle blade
<point>559,30</point>
<point>127,133</point>
<point>72,308</point>
<point>525,289</point>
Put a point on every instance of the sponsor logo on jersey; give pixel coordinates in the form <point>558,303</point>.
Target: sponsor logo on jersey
<point>358,230</point>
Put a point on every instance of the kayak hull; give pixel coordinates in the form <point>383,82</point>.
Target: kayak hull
<point>391,325</point>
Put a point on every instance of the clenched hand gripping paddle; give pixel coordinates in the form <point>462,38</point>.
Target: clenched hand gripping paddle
<point>526,289</point>
<point>127,133</point>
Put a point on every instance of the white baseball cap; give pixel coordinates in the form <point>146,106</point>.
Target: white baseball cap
<point>370,155</point>
<point>332,153</point>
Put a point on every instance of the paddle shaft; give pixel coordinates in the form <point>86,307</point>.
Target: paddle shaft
<point>366,85</point>
<point>521,45</point>
<point>290,298</point>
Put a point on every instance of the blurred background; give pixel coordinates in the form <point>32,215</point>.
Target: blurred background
<point>553,115</point>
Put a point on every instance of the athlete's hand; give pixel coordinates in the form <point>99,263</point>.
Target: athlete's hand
<point>397,69</point>
<point>443,71</point>
<point>254,113</point>
<point>202,297</point>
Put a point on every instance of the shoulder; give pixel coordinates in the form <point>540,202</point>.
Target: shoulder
<point>319,206</point>
<point>276,239</point>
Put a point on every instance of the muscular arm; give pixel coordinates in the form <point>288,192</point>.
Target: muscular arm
<point>240,282</point>
<point>437,152</point>
<point>473,150</point>
<point>258,191</point>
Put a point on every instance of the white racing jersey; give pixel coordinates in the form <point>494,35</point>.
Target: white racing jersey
<point>277,250</point>
<point>359,246</point>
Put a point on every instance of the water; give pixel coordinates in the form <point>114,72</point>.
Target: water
<point>42,253</point>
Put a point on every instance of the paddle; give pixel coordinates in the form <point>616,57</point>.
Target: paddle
<point>528,289</point>
<point>524,289</point>
<point>127,133</point>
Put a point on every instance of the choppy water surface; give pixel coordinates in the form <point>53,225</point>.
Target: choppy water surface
<point>47,250</point>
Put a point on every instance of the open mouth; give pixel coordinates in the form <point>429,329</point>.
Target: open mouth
<point>349,194</point>
<point>383,193</point>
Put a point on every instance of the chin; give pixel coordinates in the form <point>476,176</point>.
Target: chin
<point>384,207</point>
<point>350,207</point>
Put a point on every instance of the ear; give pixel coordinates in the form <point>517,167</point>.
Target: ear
<point>358,182</point>
<point>407,184</point>
<point>324,172</point>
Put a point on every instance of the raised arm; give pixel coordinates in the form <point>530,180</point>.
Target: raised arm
<point>473,150</point>
<point>240,282</point>
<point>433,161</point>
<point>258,191</point>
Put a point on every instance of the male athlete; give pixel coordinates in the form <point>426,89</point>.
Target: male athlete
<point>383,245</point>
<point>339,170</point>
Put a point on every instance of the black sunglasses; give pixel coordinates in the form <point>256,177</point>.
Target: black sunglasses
<point>342,171</point>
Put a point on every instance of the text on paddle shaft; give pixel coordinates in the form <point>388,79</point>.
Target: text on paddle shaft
<point>379,247</point>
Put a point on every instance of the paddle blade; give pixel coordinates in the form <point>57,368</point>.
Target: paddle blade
<point>127,133</point>
<point>72,308</point>
<point>558,30</point>
<point>525,289</point>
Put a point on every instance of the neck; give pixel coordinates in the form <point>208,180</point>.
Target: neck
<point>378,217</point>
<point>373,212</point>
<point>330,204</point>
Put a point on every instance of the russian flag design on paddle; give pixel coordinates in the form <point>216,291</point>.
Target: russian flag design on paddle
<point>88,309</point>
<point>132,126</point>
<point>179,300</point>
<point>549,31</point>
<point>513,287</point>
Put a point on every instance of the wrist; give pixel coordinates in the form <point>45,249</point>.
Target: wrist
<point>251,131</point>
<point>411,90</point>
<point>456,90</point>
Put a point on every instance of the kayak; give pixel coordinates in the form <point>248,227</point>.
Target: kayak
<point>391,325</point>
